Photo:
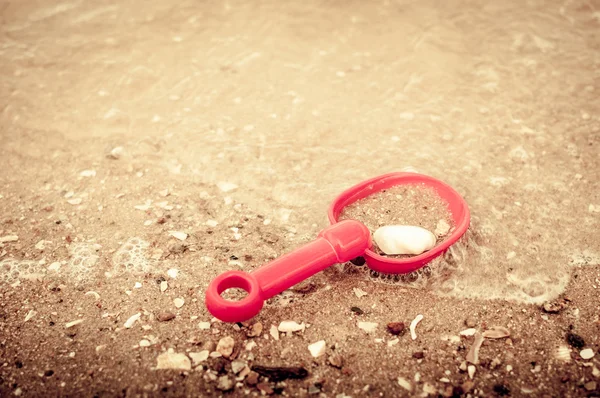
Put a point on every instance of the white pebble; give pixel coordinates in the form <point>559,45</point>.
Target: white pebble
<point>137,285</point>
<point>413,326</point>
<point>211,223</point>
<point>204,325</point>
<point>359,292</point>
<point>368,327</point>
<point>163,286</point>
<point>9,238</point>
<point>172,273</point>
<point>73,323</point>
<point>227,186</point>
<point>178,235</point>
<point>402,382</point>
<point>144,343</point>
<point>317,349</point>
<point>468,332</point>
<point>88,173</point>
<point>404,239</point>
<point>178,302</point>
<point>588,353</point>
<point>290,326</point>
<point>75,201</point>
<point>198,357</point>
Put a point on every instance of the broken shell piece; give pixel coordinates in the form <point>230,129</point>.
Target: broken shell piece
<point>132,319</point>
<point>402,382</point>
<point>473,355</point>
<point>317,349</point>
<point>496,332</point>
<point>290,326</point>
<point>92,293</point>
<point>468,332</point>
<point>404,239</point>
<point>30,315</point>
<point>442,228</point>
<point>73,323</point>
<point>471,370</point>
<point>178,235</point>
<point>413,326</point>
<point>273,332</point>
<point>563,353</point>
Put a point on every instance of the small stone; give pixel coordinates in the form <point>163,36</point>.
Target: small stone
<point>273,332</point>
<point>553,308</point>
<point>165,316</point>
<point>48,373</point>
<point>211,223</point>
<point>471,370</point>
<point>75,201</point>
<point>563,353</point>
<point>132,319</point>
<point>144,343</point>
<point>198,357</point>
<point>225,383</point>
<point>88,173</point>
<point>470,322</point>
<point>359,293</point>
<point>588,353</point>
<point>227,186</point>
<point>418,355</point>
<point>357,310</point>
<point>590,385</point>
<point>163,286</point>
<point>225,346</point>
<point>237,366</point>
<point>290,326</point>
<point>137,285</point>
<point>204,325</point>
<point>413,326</point>
<point>250,345</point>
<point>575,340</point>
<point>337,361</point>
<point>404,239</point>
<point>172,360</point>
<point>178,235</point>
<point>252,378</point>
<point>265,388</point>
<point>442,228</point>
<point>172,273</point>
<point>501,390</point>
<point>317,349</point>
<point>255,330</point>
<point>402,382</point>
<point>396,328</point>
<point>368,327</point>
<point>115,153</point>
<point>179,302</point>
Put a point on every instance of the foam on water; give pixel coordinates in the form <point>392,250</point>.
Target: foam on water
<point>82,264</point>
<point>133,258</point>
<point>13,270</point>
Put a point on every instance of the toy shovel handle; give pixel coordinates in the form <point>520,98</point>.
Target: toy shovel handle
<point>337,243</point>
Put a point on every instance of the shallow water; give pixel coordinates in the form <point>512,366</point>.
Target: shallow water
<point>294,102</point>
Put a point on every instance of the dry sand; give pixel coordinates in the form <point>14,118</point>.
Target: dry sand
<point>143,137</point>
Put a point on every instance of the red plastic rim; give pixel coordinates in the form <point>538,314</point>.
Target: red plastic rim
<point>456,205</point>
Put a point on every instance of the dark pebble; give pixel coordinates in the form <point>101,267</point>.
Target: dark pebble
<point>359,261</point>
<point>19,364</point>
<point>357,310</point>
<point>501,390</point>
<point>280,373</point>
<point>575,340</point>
<point>48,373</point>
<point>165,316</point>
<point>252,378</point>
<point>418,355</point>
<point>396,328</point>
<point>265,388</point>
